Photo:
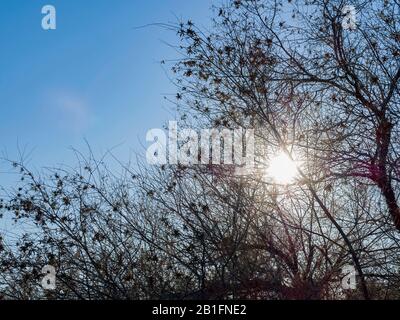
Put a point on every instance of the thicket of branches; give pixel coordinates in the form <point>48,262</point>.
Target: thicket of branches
<point>326,96</point>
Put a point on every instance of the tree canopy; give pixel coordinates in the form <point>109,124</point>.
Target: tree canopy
<point>324,95</point>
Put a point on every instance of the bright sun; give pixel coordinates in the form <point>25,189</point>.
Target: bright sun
<point>282,169</point>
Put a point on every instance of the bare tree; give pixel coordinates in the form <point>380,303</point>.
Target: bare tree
<point>324,95</point>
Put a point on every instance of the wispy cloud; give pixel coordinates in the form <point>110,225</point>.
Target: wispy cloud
<point>68,111</point>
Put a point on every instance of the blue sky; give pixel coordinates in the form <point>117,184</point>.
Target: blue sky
<point>95,77</point>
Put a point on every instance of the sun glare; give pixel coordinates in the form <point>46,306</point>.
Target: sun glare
<point>282,169</point>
